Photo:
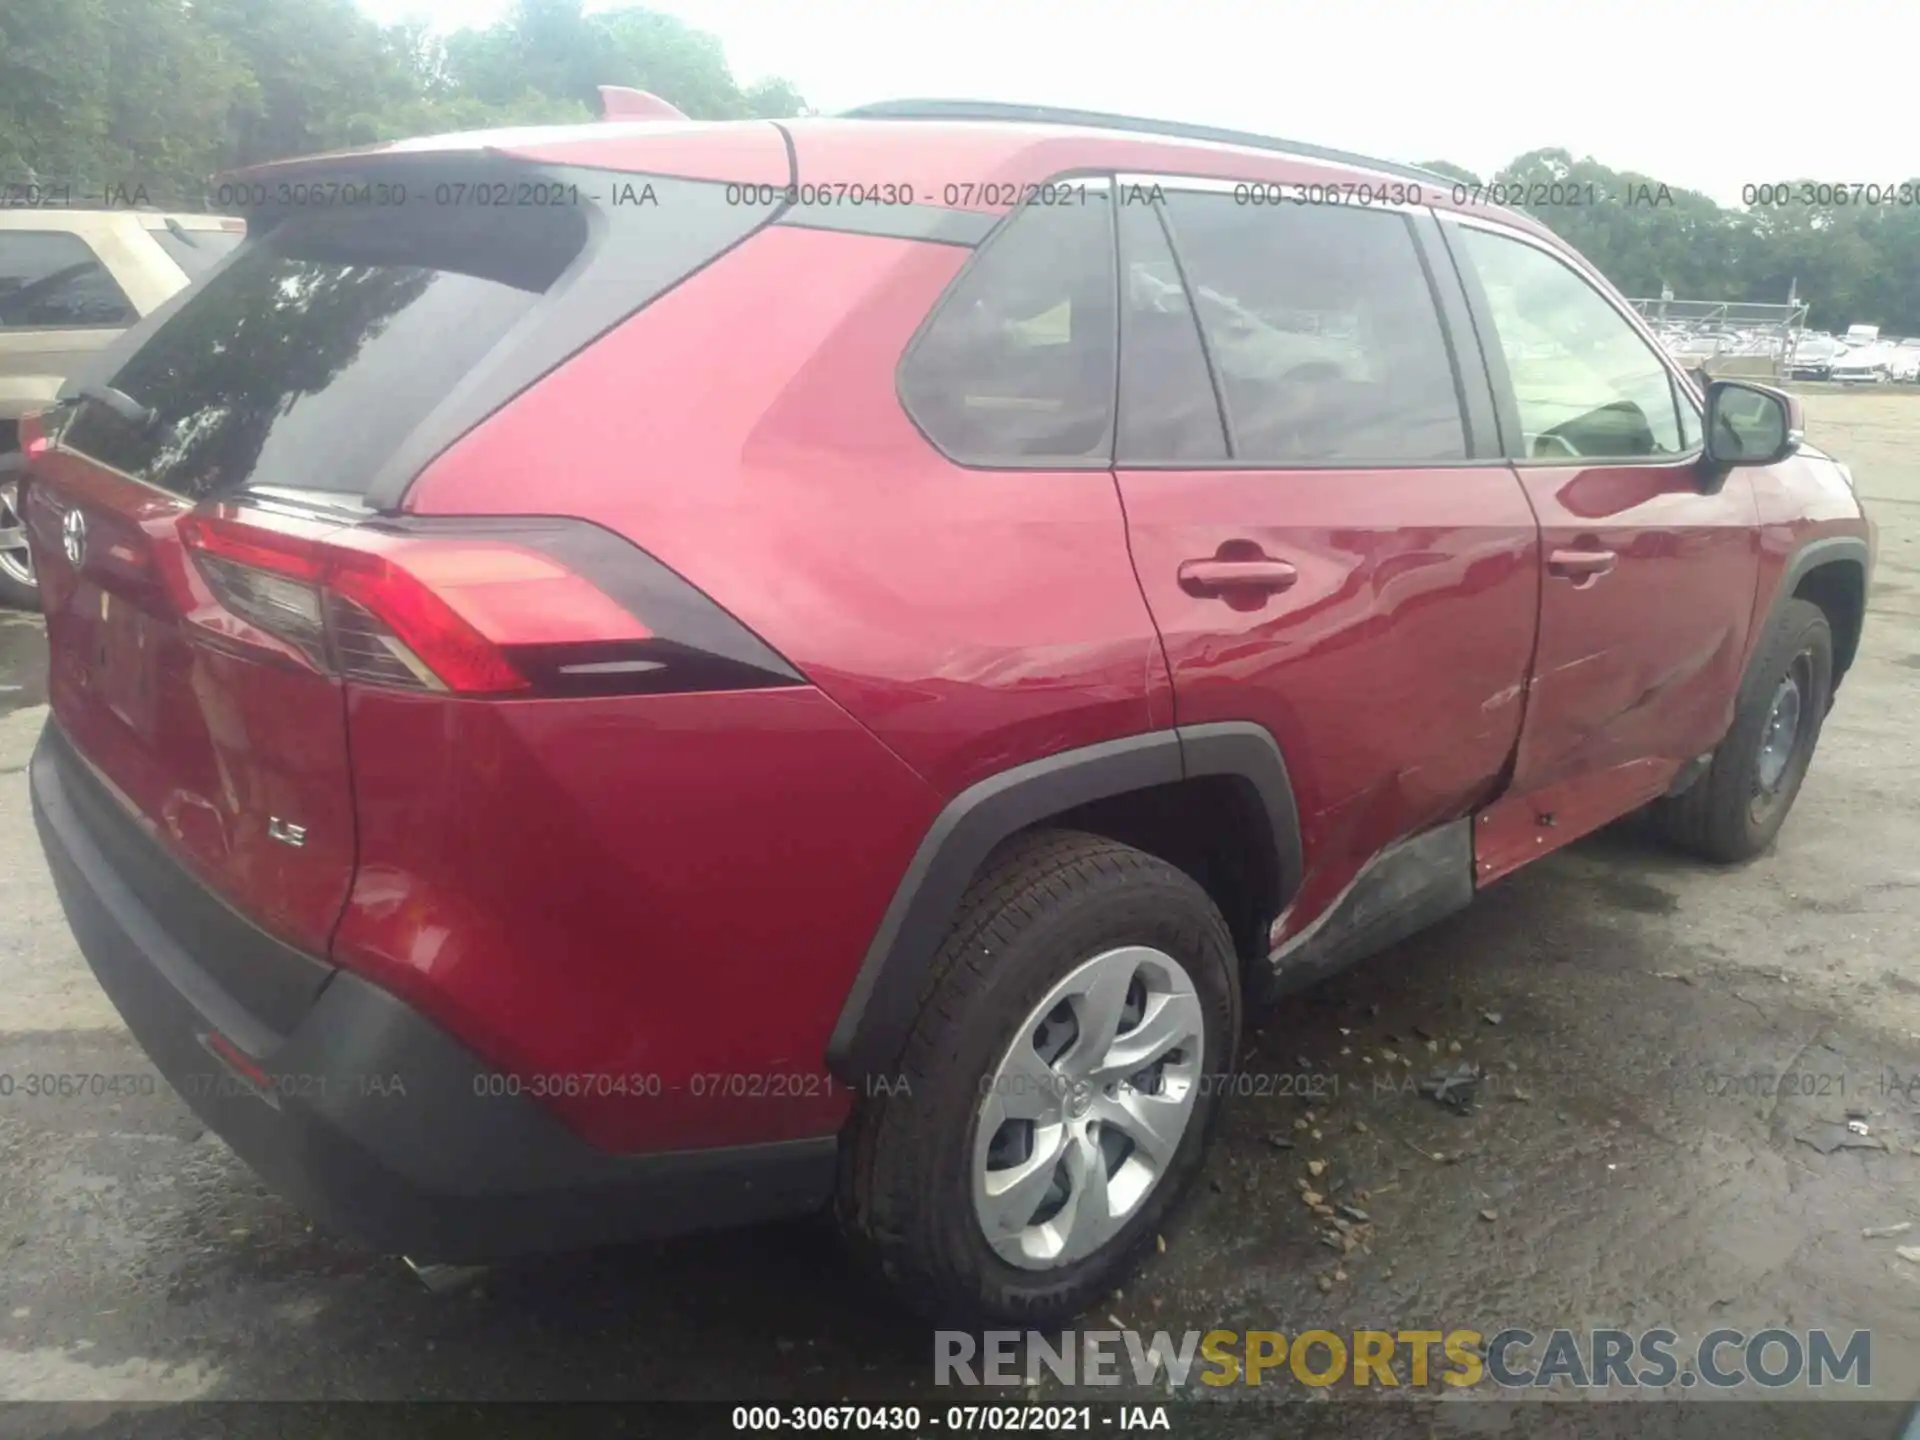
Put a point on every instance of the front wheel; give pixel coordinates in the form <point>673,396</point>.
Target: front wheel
<point>1051,1104</point>
<point>1733,811</point>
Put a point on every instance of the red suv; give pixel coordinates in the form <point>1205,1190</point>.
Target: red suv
<point>636,677</point>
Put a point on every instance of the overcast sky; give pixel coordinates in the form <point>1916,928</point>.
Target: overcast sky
<point>1710,94</point>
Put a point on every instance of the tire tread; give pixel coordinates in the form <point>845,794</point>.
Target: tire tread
<point>1709,819</point>
<point>886,1199</point>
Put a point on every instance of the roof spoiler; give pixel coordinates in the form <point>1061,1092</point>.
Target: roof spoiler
<point>618,102</point>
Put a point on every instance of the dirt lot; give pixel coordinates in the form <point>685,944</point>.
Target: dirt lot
<point>1641,1181</point>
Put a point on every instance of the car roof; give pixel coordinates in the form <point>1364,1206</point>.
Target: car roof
<point>883,140</point>
<point>993,111</point>
<point>935,149</point>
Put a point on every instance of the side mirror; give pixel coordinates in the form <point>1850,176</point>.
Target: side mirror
<point>1751,424</point>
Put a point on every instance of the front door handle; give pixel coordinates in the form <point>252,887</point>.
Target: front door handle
<point>1581,566</point>
<point>1207,578</point>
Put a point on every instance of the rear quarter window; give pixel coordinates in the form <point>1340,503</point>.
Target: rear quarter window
<point>1015,368</point>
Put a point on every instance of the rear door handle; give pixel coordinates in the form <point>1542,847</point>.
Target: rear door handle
<point>1206,578</point>
<point>1579,565</point>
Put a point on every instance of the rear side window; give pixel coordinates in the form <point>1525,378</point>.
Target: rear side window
<point>196,251</point>
<point>1016,366</point>
<point>1168,411</point>
<point>1323,330</point>
<point>51,281</point>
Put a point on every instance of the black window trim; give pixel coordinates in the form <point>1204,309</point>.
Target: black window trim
<point>1473,385</point>
<point>1093,178</point>
<point>1469,382</point>
<point>1199,330</point>
<point>133,310</point>
<point>1494,357</point>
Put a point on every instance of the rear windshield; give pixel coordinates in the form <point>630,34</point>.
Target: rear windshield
<point>196,251</point>
<point>307,361</point>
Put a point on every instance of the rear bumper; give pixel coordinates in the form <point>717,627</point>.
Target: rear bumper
<point>372,1119</point>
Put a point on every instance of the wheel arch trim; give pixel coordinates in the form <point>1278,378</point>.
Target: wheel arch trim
<point>1811,556</point>
<point>880,1005</point>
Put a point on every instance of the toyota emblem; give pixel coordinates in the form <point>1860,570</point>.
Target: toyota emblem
<point>73,537</point>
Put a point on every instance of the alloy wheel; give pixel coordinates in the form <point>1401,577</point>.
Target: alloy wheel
<point>1083,1115</point>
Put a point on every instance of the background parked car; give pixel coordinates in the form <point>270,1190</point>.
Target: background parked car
<point>71,280</point>
<point>1868,364</point>
<point>1813,357</point>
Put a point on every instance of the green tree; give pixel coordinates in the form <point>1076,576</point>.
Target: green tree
<point>115,93</point>
<point>551,48</point>
<point>323,75</point>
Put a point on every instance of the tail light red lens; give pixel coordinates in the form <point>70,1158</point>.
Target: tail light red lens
<point>33,435</point>
<point>492,608</point>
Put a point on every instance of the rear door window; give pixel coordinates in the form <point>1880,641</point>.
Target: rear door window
<point>1169,413</point>
<point>1016,366</point>
<point>1323,330</point>
<point>54,281</point>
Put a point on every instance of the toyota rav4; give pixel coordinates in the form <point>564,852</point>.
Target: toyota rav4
<point>619,679</point>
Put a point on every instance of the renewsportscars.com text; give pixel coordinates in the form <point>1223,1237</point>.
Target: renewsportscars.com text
<point>1512,1358</point>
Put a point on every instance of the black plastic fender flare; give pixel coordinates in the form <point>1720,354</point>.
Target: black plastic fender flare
<point>882,1002</point>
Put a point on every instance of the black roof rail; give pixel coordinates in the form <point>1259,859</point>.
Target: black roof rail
<point>1096,119</point>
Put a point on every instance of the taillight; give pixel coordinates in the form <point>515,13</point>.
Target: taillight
<point>535,607</point>
<point>33,434</point>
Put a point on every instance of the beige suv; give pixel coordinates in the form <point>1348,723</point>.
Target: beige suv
<point>71,280</point>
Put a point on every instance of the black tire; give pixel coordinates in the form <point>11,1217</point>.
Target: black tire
<point>1041,904</point>
<point>1724,815</point>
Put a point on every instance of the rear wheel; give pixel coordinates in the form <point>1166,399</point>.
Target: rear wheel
<point>1051,1104</point>
<point>17,585</point>
<point>1736,808</point>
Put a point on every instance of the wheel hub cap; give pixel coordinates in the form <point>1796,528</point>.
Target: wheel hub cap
<point>1084,1113</point>
<point>1782,729</point>
<point>1080,1103</point>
